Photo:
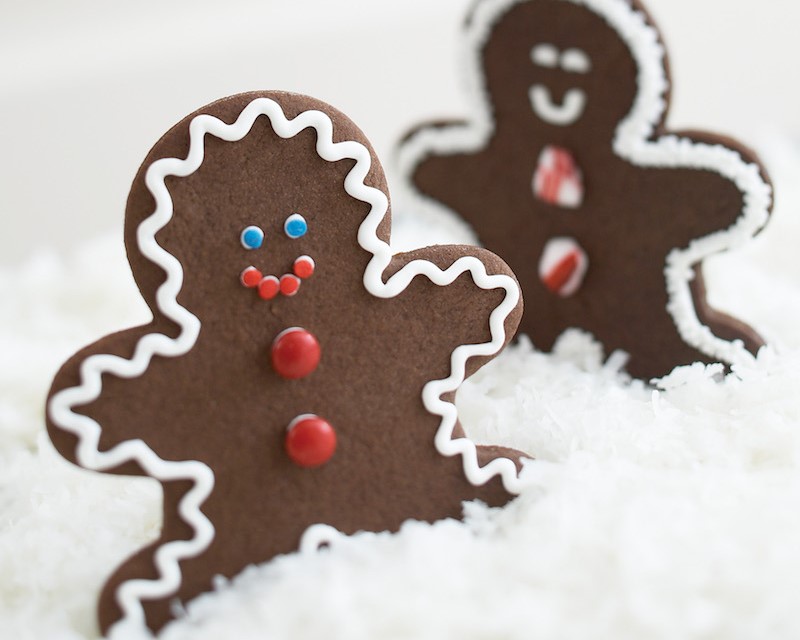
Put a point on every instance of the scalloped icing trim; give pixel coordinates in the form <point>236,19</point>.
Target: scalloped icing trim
<point>631,142</point>
<point>60,408</point>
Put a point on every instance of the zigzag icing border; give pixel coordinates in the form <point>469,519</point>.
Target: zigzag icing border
<point>631,143</point>
<point>61,405</point>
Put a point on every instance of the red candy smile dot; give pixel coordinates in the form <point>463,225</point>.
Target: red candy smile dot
<point>310,441</point>
<point>289,284</point>
<point>304,267</point>
<point>268,288</point>
<point>251,277</point>
<point>295,353</point>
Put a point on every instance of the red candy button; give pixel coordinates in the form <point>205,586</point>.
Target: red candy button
<point>268,288</point>
<point>295,353</point>
<point>289,284</point>
<point>310,441</point>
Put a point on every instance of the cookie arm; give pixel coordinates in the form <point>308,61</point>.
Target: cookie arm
<point>722,197</point>
<point>71,383</point>
<point>452,181</point>
<point>463,313</point>
<point>726,206</point>
<point>464,305</point>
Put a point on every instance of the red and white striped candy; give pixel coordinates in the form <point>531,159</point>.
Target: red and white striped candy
<point>250,277</point>
<point>557,179</point>
<point>563,266</point>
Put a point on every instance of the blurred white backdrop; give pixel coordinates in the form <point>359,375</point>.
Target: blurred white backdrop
<point>87,87</point>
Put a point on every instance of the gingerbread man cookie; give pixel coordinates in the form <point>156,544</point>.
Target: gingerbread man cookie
<point>295,372</point>
<point>566,170</point>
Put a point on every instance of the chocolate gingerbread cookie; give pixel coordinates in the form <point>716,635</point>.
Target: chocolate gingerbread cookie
<point>295,372</point>
<point>567,171</point>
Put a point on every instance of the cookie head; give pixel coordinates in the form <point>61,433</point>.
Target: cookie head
<point>258,228</point>
<point>558,66</point>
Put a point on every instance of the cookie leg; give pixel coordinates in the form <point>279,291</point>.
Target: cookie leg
<point>139,566</point>
<point>142,566</point>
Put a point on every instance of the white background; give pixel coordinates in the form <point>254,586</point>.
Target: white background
<point>86,88</point>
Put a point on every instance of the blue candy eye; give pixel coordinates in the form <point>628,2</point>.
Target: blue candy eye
<point>295,226</point>
<point>252,237</point>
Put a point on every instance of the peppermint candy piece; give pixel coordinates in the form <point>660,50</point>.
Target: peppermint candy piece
<point>563,266</point>
<point>557,179</point>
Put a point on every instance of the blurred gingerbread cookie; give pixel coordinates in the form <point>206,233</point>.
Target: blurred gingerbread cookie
<point>295,372</point>
<point>567,171</point>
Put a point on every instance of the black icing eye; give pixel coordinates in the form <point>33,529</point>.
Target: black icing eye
<point>295,226</point>
<point>252,237</point>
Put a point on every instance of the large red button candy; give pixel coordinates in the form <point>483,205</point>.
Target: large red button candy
<point>295,353</point>
<point>310,441</point>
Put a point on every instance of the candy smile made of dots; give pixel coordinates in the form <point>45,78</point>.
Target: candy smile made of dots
<point>288,284</point>
<point>130,594</point>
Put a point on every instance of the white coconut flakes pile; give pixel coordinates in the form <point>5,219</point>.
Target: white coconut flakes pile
<point>652,512</point>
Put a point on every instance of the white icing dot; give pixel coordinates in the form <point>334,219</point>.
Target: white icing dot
<point>545,55</point>
<point>575,61</point>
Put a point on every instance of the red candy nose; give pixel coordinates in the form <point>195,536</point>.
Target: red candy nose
<point>295,353</point>
<point>310,441</point>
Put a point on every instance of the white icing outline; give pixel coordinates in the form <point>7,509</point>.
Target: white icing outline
<point>560,115</point>
<point>631,142</point>
<point>60,407</point>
